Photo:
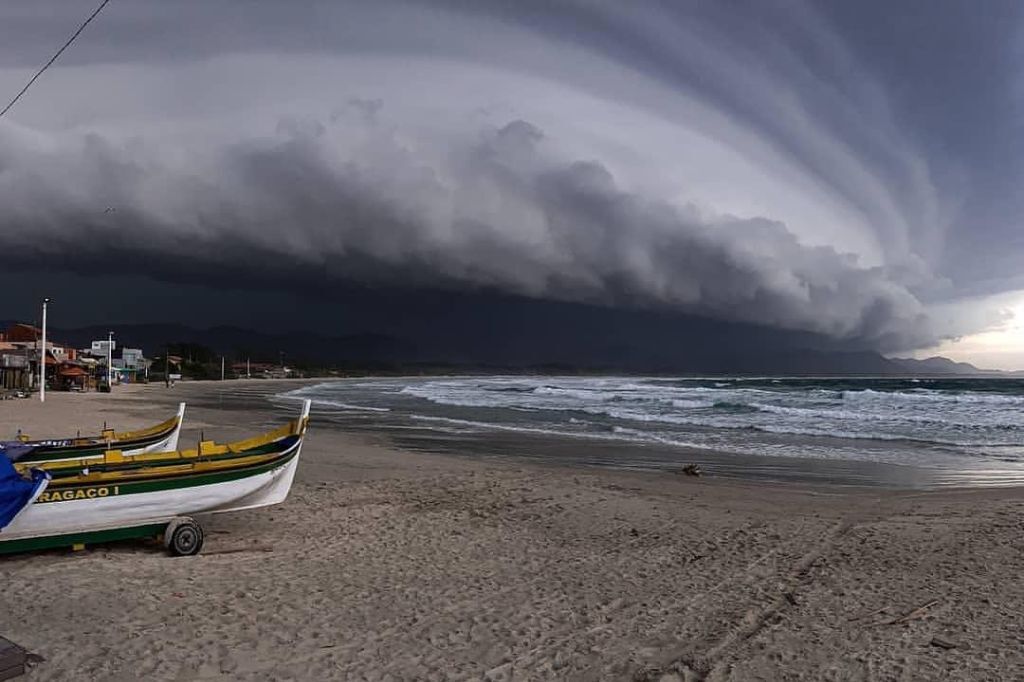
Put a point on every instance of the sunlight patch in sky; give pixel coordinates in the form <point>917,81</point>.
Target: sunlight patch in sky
<point>998,348</point>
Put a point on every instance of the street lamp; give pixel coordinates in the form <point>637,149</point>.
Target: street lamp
<point>110,359</point>
<point>42,358</point>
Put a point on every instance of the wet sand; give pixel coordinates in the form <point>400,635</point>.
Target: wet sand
<point>391,564</point>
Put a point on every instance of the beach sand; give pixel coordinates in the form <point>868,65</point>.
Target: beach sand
<point>393,565</point>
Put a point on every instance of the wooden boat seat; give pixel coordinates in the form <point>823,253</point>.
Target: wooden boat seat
<point>209,447</point>
<point>113,457</point>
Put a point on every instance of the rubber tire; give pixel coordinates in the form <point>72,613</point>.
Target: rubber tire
<point>183,537</point>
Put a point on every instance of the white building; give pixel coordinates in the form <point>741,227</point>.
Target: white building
<point>99,348</point>
<point>132,358</point>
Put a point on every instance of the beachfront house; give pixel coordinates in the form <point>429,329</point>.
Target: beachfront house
<point>19,364</point>
<point>15,368</point>
<point>102,347</point>
<point>132,366</point>
<point>132,357</point>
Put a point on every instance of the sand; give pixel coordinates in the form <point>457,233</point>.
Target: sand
<point>392,565</point>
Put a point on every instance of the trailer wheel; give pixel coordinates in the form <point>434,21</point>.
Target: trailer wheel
<point>183,537</point>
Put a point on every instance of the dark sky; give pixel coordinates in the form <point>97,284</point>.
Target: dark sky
<point>843,168</point>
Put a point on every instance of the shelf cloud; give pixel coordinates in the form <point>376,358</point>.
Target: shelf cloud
<point>748,163</point>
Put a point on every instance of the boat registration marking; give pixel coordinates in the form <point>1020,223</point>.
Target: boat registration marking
<point>79,494</point>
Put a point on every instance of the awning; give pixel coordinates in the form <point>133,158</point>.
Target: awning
<point>72,371</point>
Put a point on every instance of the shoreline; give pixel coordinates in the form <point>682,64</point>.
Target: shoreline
<point>385,562</point>
<point>139,405</point>
<point>878,463</point>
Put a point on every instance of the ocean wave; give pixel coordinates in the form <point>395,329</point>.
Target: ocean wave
<point>650,437</point>
<point>873,435</point>
<point>639,436</point>
<point>578,393</point>
<point>930,396</point>
<point>784,417</point>
<point>688,404</point>
<point>630,415</point>
<point>306,391</point>
<point>348,406</point>
<point>839,414</point>
<point>790,429</point>
<point>734,406</point>
<point>493,426</point>
<point>616,434</point>
<point>457,398</point>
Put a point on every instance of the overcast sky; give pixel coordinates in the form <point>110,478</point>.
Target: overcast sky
<point>846,168</point>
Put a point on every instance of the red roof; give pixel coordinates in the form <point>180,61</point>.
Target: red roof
<point>23,332</point>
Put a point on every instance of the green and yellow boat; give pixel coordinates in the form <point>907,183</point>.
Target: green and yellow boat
<point>158,438</point>
<point>118,495</point>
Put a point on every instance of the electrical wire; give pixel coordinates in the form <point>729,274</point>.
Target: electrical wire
<point>54,57</point>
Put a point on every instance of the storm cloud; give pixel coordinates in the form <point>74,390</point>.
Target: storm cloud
<point>743,163</point>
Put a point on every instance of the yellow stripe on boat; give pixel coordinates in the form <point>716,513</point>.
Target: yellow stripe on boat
<point>166,463</point>
<point>142,433</point>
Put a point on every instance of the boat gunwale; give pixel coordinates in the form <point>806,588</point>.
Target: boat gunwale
<point>186,479</point>
<point>43,448</point>
<point>208,457</point>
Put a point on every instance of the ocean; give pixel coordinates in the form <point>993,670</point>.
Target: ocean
<point>881,431</point>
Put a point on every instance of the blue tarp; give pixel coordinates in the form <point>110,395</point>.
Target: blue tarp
<point>15,449</point>
<point>17,491</point>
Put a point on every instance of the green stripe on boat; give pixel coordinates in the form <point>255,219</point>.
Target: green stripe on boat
<point>93,449</point>
<point>86,538</point>
<point>130,465</point>
<point>175,482</point>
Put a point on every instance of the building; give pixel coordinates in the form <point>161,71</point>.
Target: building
<point>131,366</point>
<point>132,358</point>
<point>100,348</point>
<point>71,377</point>
<point>29,336</point>
<point>15,368</point>
<point>19,366</point>
<point>22,333</point>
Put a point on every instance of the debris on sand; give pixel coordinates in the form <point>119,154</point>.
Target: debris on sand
<point>691,470</point>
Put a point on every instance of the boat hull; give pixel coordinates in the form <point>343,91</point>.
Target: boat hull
<point>137,508</point>
<point>65,450</point>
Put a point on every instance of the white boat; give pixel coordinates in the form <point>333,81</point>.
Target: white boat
<point>123,496</point>
<point>162,437</point>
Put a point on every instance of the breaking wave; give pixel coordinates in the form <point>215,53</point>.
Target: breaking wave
<point>889,420</point>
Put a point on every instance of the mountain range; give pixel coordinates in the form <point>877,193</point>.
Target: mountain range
<point>637,345</point>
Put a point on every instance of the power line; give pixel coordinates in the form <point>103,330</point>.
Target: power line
<point>54,57</point>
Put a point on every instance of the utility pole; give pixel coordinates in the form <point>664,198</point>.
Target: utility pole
<point>110,359</point>
<point>248,375</point>
<point>222,368</point>
<point>167,366</point>
<point>42,358</point>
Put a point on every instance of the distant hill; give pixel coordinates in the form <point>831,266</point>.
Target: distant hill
<point>939,365</point>
<point>549,339</point>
